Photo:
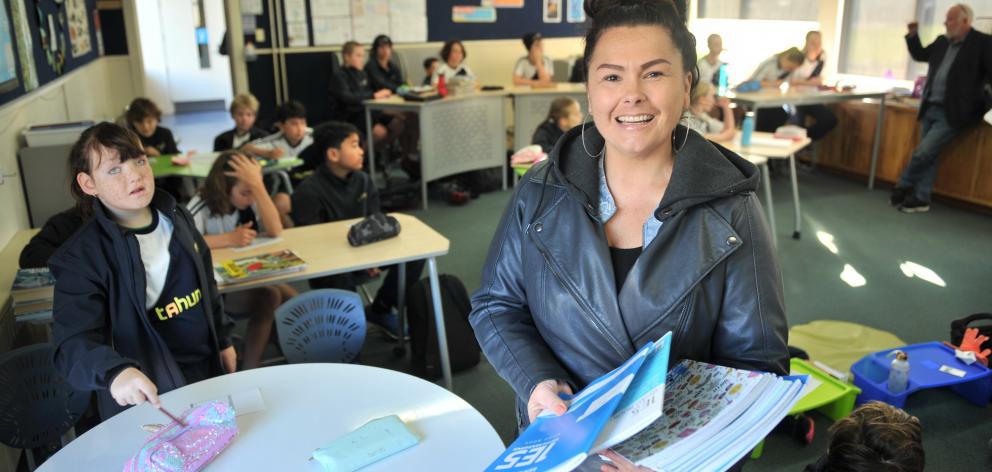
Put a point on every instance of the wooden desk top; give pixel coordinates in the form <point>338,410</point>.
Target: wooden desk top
<point>758,146</point>
<point>326,251</point>
<point>559,88</point>
<point>396,102</point>
<point>769,97</point>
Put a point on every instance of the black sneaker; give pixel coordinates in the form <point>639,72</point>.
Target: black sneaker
<point>899,195</point>
<point>914,205</point>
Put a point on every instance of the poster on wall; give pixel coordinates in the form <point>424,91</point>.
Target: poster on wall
<point>8,63</point>
<point>552,11</point>
<point>79,27</point>
<point>470,14</point>
<point>575,13</point>
<point>251,7</point>
<point>503,3</point>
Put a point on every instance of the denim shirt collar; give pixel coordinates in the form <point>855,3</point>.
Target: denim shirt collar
<point>608,208</point>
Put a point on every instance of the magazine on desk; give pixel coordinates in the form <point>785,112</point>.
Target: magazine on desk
<point>262,265</point>
<point>696,417</point>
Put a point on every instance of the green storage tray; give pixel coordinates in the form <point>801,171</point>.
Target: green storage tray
<point>833,398</point>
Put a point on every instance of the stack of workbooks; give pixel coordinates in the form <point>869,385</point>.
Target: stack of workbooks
<point>32,294</point>
<point>698,417</point>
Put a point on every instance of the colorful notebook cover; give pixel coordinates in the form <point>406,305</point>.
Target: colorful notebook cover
<point>263,265</point>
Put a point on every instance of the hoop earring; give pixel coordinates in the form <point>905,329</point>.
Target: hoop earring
<point>583,137</point>
<point>684,139</point>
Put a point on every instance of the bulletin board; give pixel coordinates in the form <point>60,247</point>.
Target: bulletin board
<point>510,22</point>
<point>49,39</point>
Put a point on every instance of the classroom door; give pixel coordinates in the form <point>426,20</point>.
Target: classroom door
<point>198,76</point>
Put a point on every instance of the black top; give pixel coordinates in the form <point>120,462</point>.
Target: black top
<point>547,135</point>
<point>964,101</point>
<point>56,231</point>
<point>349,87</point>
<point>380,78</point>
<point>325,197</point>
<point>623,260</point>
<point>178,314</point>
<point>161,139</point>
<point>225,140</point>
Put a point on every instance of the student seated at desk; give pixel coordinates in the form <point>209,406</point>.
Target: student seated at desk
<point>709,65</point>
<point>563,115</point>
<point>772,73</point>
<point>382,72</point>
<point>809,73</point>
<point>453,65</point>
<point>232,208</point>
<point>59,228</point>
<point>292,138</point>
<point>350,86</point>
<point>430,65</point>
<point>703,100</point>
<point>339,190</point>
<point>535,68</point>
<point>143,116</point>
<point>244,110</point>
<point>136,308</point>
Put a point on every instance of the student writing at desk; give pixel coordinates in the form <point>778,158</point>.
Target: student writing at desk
<point>810,73</point>
<point>136,308</point>
<point>772,73</point>
<point>339,190</point>
<point>230,209</point>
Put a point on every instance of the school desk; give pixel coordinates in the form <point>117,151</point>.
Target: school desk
<point>457,134</point>
<point>304,407</point>
<point>325,249</point>
<point>806,95</point>
<point>200,163</point>
<point>765,145</point>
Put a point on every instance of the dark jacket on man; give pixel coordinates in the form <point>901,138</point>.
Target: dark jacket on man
<point>225,140</point>
<point>548,307</point>
<point>101,324</point>
<point>383,78</point>
<point>964,102</point>
<point>59,228</point>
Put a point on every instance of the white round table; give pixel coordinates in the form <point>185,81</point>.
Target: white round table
<point>306,407</point>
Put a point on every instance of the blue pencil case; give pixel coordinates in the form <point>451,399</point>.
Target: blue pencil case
<point>372,442</point>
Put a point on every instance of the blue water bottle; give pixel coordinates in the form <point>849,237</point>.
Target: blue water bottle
<point>723,82</point>
<point>747,128</point>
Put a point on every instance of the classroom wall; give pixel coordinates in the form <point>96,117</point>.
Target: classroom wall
<point>98,90</point>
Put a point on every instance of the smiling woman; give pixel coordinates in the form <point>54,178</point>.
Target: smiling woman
<point>634,226</point>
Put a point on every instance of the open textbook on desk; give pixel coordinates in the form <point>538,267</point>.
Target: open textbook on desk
<point>697,417</point>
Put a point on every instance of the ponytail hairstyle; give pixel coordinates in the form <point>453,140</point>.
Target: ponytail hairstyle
<point>216,189</point>
<point>668,14</point>
<point>559,108</point>
<point>85,156</point>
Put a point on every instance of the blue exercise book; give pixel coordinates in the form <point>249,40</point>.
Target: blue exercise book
<point>609,410</point>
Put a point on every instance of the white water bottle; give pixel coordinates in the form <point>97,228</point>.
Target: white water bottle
<point>898,371</point>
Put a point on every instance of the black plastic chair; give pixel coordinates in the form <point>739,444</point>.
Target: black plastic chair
<point>37,406</point>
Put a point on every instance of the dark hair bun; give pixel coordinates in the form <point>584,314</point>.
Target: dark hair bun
<point>595,8</point>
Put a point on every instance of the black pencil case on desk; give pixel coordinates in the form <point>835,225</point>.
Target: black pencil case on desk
<point>374,227</point>
<point>418,97</point>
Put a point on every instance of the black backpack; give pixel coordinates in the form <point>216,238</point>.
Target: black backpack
<point>463,348</point>
<point>958,327</point>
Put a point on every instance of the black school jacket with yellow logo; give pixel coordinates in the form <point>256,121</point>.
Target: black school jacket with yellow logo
<point>101,325</point>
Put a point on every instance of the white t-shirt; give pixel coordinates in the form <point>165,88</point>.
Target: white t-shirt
<point>806,70</point>
<point>239,140</point>
<point>444,69</point>
<point>154,247</point>
<point>708,71</point>
<point>768,70</point>
<point>208,223</point>
<point>527,70</point>
<point>705,124</point>
<point>276,140</point>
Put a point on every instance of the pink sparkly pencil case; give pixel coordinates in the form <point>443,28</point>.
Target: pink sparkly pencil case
<point>210,427</point>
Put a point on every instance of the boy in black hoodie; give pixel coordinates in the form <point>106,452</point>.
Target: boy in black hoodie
<point>136,307</point>
<point>350,87</point>
<point>339,190</point>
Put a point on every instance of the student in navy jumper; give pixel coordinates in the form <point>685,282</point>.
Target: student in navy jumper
<point>244,110</point>
<point>136,308</point>
<point>563,115</point>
